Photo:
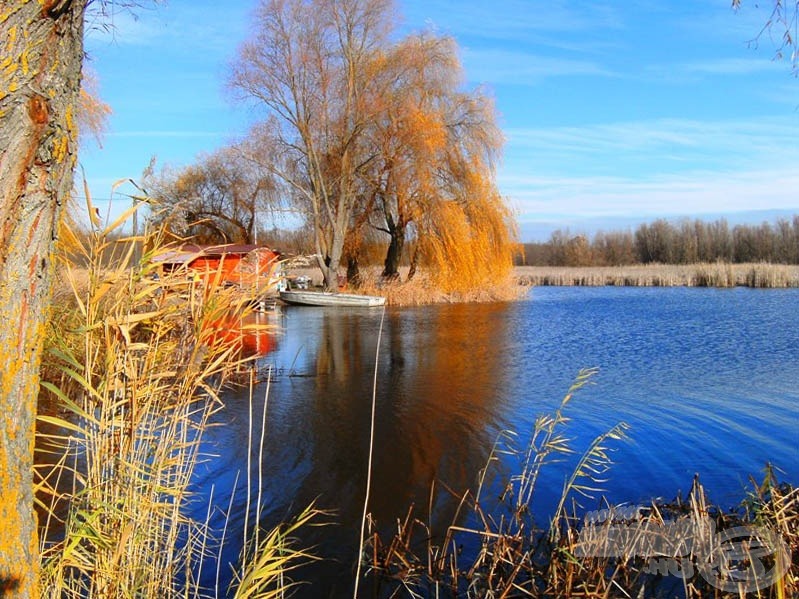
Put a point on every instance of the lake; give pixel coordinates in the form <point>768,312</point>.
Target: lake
<point>708,381</point>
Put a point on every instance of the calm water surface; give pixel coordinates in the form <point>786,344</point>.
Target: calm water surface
<point>708,380</point>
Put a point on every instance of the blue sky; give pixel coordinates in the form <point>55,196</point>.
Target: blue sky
<point>614,113</point>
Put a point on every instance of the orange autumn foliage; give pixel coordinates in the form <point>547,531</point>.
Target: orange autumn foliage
<point>469,245</point>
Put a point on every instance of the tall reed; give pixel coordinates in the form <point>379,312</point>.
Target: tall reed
<point>506,540</point>
<point>134,372</point>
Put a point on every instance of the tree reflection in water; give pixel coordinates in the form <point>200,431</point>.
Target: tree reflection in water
<point>438,379</point>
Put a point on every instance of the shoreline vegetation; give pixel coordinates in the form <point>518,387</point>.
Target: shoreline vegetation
<point>502,547</point>
<point>420,291</point>
<point>718,274</point>
<point>686,547</point>
<point>136,362</point>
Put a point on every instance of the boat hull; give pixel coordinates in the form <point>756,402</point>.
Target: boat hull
<point>329,298</point>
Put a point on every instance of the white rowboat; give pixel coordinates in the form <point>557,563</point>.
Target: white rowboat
<point>329,298</point>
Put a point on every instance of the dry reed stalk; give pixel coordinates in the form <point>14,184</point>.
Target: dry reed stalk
<point>140,376</point>
<point>134,372</point>
<point>681,549</point>
<point>507,540</point>
<point>271,559</point>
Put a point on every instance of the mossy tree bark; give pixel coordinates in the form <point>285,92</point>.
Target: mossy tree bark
<point>40,70</point>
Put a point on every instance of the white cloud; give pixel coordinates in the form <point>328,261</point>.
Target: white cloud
<point>657,146</point>
<point>204,25</point>
<point>512,20</point>
<point>729,66</point>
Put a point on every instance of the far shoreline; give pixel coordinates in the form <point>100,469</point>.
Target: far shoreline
<point>720,274</point>
<point>514,286</point>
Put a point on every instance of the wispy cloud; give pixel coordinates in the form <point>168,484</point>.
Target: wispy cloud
<point>190,26</point>
<point>729,66</point>
<point>695,193</point>
<point>497,66</point>
<point>658,146</point>
<point>686,72</point>
<point>668,166</point>
<point>514,20</point>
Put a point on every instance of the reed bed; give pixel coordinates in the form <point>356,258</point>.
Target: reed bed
<point>133,372</point>
<point>684,548</point>
<point>761,275</point>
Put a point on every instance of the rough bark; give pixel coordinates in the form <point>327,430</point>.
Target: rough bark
<point>396,231</point>
<point>42,51</point>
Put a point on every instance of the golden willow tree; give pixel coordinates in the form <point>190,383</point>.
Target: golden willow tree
<point>468,237</point>
<point>432,177</point>
<point>409,136</point>
<point>377,133</point>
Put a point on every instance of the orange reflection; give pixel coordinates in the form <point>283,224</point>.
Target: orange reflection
<point>440,377</point>
<point>254,334</point>
<point>450,375</point>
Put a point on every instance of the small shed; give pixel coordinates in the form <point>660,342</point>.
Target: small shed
<point>254,267</point>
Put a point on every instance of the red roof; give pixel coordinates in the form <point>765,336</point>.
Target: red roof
<point>221,250</point>
<point>187,253</point>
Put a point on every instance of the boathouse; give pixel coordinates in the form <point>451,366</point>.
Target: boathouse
<point>252,267</point>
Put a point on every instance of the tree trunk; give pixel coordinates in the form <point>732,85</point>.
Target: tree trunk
<point>394,252</point>
<point>353,271</point>
<point>332,260</point>
<point>40,69</point>
<point>414,263</point>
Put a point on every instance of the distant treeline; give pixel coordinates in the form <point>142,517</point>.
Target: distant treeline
<point>683,242</point>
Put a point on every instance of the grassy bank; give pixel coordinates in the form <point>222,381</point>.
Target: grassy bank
<point>663,275</point>
<point>419,290</point>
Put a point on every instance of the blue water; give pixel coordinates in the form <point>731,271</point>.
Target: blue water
<point>708,381</point>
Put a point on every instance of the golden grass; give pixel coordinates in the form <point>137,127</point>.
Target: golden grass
<point>663,275</point>
<point>421,290</point>
<point>270,561</point>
